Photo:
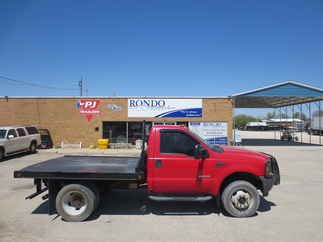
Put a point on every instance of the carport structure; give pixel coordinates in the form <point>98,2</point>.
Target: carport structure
<point>285,97</point>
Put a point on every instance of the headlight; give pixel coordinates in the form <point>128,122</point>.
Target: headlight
<point>268,169</point>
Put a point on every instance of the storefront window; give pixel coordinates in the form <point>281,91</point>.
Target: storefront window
<point>123,132</point>
<point>116,132</point>
<point>134,132</point>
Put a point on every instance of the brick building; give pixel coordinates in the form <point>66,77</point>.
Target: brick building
<point>86,119</point>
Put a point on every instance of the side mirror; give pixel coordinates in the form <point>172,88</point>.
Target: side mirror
<point>10,136</point>
<point>200,152</point>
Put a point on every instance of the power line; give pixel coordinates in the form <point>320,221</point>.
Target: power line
<point>28,83</point>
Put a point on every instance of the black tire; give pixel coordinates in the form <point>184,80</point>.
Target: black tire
<point>75,202</point>
<point>32,148</point>
<point>96,191</point>
<point>248,194</point>
<point>1,154</point>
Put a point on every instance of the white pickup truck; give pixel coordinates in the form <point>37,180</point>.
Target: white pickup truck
<point>14,140</point>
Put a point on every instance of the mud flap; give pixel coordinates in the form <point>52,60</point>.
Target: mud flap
<point>52,193</point>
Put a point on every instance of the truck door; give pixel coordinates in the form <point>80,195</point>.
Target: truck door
<point>175,170</point>
<point>23,139</point>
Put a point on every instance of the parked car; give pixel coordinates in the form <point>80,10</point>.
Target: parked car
<point>14,140</point>
<point>176,165</point>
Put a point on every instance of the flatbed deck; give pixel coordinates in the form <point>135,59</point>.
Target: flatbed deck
<point>85,168</point>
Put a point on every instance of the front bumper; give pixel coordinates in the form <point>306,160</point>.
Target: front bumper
<point>269,182</point>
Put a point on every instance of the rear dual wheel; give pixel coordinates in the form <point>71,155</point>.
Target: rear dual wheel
<point>76,202</point>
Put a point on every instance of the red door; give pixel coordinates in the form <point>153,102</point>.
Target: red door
<point>175,170</point>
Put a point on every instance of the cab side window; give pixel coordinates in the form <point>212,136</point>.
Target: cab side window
<point>176,142</point>
<point>32,130</point>
<point>12,132</point>
<point>21,132</point>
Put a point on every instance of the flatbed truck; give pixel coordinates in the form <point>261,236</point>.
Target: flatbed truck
<point>175,165</point>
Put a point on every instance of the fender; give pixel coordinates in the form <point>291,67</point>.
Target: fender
<point>226,173</point>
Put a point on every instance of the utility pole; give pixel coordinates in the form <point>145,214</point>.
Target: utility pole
<point>81,87</point>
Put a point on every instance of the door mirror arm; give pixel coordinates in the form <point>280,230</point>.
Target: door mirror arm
<point>200,152</point>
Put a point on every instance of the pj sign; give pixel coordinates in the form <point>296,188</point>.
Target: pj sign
<point>89,107</point>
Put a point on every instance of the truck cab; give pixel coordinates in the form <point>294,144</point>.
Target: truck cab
<point>180,162</point>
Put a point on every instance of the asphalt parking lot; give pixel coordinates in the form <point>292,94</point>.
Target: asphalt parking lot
<point>293,211</point>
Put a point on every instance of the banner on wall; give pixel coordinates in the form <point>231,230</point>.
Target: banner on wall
<point>88,107</point>
<point>212,132</point>
<point>164,108</point>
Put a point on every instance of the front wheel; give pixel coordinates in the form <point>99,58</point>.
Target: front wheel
<point>240,199</point>
<point>75,202</point>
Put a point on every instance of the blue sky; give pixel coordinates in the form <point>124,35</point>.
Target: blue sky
<point>165,48</point>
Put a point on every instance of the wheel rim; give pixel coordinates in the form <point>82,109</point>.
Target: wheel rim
<point>74,203</point>
<point>33,148</point>
<point>242,200</point>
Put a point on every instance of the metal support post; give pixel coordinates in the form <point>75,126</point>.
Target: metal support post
<point>274,128</point>
<point>280,122</point>
<point>302,129</point>
<point>310,116</point>
<point>320,126</point>
<point>293,122</point>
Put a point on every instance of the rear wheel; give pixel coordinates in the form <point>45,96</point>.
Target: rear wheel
<point>75,202</point>
<point>96,191</point>
<point>1,154</point>
<point>32,148</point>
<point>240,199</point>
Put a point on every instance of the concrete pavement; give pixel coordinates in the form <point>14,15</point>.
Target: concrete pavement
<point>293,211</point>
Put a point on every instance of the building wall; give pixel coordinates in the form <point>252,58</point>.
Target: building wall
<point>61,116</point>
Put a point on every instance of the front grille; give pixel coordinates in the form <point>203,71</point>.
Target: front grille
<point>275,169</point>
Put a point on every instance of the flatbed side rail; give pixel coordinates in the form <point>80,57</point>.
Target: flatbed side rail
<point>77,176</point>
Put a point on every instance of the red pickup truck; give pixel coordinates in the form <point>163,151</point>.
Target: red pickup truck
<point>176,165</point>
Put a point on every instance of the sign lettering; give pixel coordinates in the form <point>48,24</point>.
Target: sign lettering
<point>88,107</point>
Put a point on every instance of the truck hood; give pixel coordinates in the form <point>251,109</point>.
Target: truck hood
<point>241,152</point>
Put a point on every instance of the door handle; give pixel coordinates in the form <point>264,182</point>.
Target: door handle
<point>204,176</point>
<point>218,164</point>
<point>158,163</point>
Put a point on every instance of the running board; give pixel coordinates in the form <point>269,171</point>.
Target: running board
<point>180,199</point>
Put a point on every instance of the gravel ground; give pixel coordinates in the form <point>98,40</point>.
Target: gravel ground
<point>291,212</point>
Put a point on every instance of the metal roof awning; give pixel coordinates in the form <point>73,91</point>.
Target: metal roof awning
<point>278,95</point>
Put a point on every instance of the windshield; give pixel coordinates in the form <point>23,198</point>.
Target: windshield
<point>3,133</point>
<point>213,147</point>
